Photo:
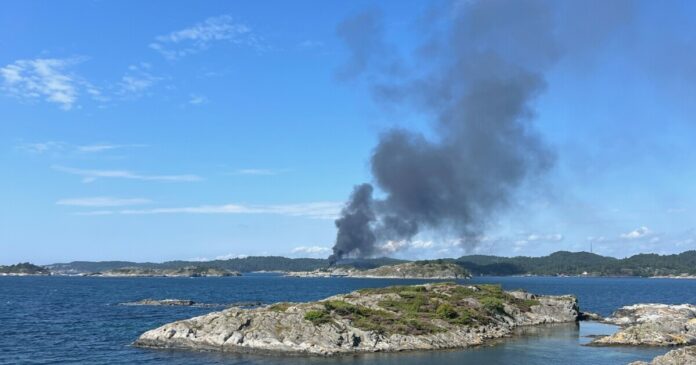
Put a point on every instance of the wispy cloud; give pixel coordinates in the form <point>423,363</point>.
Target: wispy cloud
<point>260,171</point>
<point>42,147</point>
<point>200,36</point>
<point>58,146</point>
<point>311,249</point>
<point>137,80</point>
<point>315,210</point>
<point>43,78</point>
<point>195,99</point>
<point>92,175</point>
<point>102,201</point>
<point>310,44</point>
<point>102,147</point>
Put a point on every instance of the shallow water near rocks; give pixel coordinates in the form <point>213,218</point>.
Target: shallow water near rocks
<point>79,320</point>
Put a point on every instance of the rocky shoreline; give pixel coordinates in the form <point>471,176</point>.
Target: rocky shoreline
<point>188,271</point>
<point>410,270</point>
<point>682,356</point>
<point>402,318</point>
<point>652,325</point>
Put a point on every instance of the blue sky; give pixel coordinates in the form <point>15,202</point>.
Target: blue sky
<point>171,130</point>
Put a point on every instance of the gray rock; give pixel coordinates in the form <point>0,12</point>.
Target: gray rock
<point>166,302</point>
<point>682,356</point>
<point>366,321</point>
<point>653,325</point>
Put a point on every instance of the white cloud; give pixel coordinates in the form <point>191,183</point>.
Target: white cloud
<point>311,250</point>
<point>57,146</point>
<point>42,147</point>
<point>200,36</point>
<point>43,78</point>
<point>102,201</point>
<point>230,256</point>
<point>259,171</point>
<point>197,99</point>
<point>637,233</point>
<point>316,210</point>
<point>137,80</point>
<point>92,175</point>
<point>309,43</point>
<point>556,237</point>
<point>101,147</point>
<point>394,246</point>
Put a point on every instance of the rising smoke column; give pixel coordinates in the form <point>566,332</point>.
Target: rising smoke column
<point>475,77</point>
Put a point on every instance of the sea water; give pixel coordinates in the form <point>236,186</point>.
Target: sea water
<point>62,320</point>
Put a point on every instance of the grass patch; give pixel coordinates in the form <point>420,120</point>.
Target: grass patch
<point>280,307</point>
<point>318,317</point>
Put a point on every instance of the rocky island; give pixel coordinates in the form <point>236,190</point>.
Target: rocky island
<point>23,269</point>
<point>409,270</point>
<point>188,271</point>
<point>399,318</point>
<point>652,325</point>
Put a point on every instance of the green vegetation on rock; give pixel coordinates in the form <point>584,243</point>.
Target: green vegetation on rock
<point>24,268</point>
<point>416,309</point>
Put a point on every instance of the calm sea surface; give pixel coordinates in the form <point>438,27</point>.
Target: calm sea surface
<point>58,320</point>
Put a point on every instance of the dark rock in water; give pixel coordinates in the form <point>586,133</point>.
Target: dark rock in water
<point>416,317</point>
<point>171,302</point>
<point>652,325</point>
<point>682,356</point>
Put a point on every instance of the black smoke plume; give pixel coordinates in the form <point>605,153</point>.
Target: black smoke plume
<point>475,77</point>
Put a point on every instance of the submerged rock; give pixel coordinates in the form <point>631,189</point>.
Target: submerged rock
<point>653,325</point>
<point>418,317</point>
<point>682,356</point>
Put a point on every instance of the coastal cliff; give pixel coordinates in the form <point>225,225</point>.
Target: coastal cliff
<point>418,317</point>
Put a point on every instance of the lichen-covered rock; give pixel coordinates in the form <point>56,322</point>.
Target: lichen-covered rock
<point>653,325</point>
<point>682,356</point>
<point>418,317</point>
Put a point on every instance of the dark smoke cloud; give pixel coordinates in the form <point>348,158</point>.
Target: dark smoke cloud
<point>475,76</point>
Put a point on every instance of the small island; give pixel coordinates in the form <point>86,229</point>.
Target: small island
<point>398,318</point>
<point>652,325</point>
<point>23,269</point>
<point>409,270</point>
<point>187,271</point>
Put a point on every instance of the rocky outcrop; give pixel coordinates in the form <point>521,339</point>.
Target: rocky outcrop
<point>415,270</point>
<point>191,303</point>
<point>420,317</point>
<point>409,270</point>
<point>165,302</point>
<point>188,271</point>
<point>653,325</point>
<point>682,356</point>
